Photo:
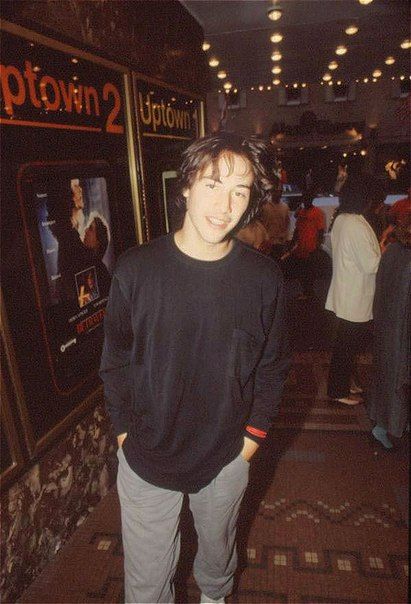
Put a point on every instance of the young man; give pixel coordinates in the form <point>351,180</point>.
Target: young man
<point>194,362</point>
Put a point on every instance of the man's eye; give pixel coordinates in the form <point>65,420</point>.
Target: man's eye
<point>240,194</point>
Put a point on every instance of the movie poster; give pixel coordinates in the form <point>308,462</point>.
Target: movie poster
<point>68,211</point>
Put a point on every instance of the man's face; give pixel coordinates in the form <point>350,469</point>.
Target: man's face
<point>214,207</point>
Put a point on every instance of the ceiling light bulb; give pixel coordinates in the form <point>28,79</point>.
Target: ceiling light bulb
<point>339,83</point>
<point>214,62</point>
<point>261,88</point>
<point>276,69</point>
<point>365,80</point>
<point>327,77</point>
<point>351,30</point>
<point>206,45</point>
<point>295,85</point>
<point>276,37</point>
<point>274,14</point>
<point>303,85</point>
<point>276,82</point>
<point>402,77</point>
<point>333,65</point>
<point>341,50</point>
<point>276,56</point>
<point>376,73</point>
<point>221,74</point>
<point>330,83</point>
<point>227,86</point>
<point>405,44</point>
<point>365,1</point>
<point>363,152</point>
<point>389,60</point>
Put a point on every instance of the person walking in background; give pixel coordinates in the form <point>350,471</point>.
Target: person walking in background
<point>193,365</point>
<point>388,403</point>
<point>355,259</point>
<point>301,259</point>
<point>275,217</point>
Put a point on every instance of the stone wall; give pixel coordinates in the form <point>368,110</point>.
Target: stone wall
<point>43,508</point>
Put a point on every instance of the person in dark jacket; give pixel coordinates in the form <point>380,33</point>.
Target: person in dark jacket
<point>194,361</point>
<point>390,390</point>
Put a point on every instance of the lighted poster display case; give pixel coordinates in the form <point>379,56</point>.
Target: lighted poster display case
<point>70,205</point>
<point>168,119</point>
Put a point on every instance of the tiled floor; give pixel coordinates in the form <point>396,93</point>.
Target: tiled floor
<point>324,520</point>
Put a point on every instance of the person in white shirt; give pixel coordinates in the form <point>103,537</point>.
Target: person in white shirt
<point>355,256</point>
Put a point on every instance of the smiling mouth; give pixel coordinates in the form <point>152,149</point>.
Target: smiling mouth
<point>217,222</point>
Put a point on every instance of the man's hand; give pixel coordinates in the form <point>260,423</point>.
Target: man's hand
<point>249,448</point>
<point>121,438</point>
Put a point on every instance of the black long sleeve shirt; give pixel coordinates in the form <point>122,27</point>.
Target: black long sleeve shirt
<point>195,357</point>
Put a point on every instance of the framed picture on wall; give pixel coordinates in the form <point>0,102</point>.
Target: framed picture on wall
<point>168,120</point>
<point>70,204</point>
<point>68,230</point>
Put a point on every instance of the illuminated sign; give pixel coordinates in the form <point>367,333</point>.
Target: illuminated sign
<point>41,87</point>
<point>165,113</point>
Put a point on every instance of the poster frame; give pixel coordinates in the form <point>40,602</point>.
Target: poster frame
<point>166,175</point>
<point>135,75</point>
<point>34,445</point>
<point>10,431</point>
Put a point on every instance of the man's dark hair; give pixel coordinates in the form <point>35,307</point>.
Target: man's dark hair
<point>209,149</point>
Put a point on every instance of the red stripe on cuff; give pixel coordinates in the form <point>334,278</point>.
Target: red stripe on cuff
<point>256,432</point>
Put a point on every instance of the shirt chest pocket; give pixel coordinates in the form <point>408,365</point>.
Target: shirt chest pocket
<point>245,353</point>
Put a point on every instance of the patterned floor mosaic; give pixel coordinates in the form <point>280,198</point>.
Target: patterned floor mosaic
<point>322,521</point>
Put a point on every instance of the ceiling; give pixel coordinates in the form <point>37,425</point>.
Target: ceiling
<point>239,33</point>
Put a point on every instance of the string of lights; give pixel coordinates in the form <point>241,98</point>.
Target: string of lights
<point>277,55</point>
<point>296,85</point>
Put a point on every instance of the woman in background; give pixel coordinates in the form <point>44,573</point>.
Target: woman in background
<point>355,259</point>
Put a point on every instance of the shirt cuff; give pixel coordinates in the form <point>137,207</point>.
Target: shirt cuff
<point>255,434</point>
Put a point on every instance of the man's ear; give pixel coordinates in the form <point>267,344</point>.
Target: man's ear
<point>185,193</point>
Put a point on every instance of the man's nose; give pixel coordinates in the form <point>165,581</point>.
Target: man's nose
<point>224,201</point>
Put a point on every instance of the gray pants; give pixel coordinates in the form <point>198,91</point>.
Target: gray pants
<point>150,528</point>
